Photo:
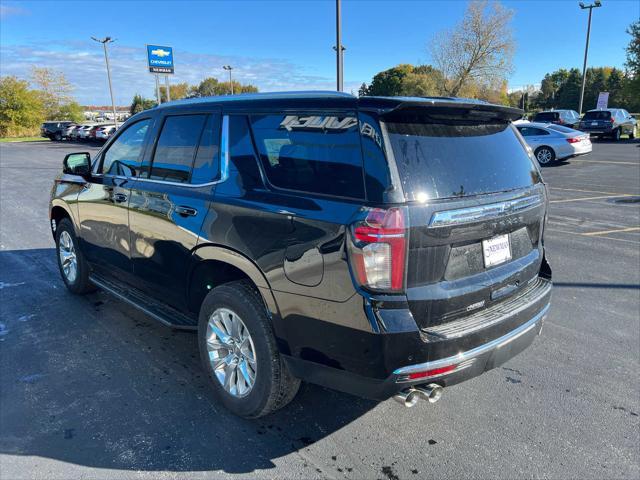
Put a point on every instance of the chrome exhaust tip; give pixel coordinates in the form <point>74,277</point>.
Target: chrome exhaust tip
<point>408,397</point>
<point>432,392</point>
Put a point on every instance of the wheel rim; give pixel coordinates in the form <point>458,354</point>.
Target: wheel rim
<point>68,259</point>
<point>231,352</point>
<point>544,156</point>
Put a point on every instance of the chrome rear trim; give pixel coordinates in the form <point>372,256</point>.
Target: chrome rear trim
<point>484,212</point>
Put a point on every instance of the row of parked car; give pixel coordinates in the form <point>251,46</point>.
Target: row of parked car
<point>610,122</point>
<point>65,130</point>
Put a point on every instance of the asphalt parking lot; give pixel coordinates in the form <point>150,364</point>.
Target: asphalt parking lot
<point>91,388</point>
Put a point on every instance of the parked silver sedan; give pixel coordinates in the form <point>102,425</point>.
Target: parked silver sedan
<point>551,142</point>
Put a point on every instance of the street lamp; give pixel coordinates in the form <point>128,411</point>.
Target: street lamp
<point>590,7</point>
<point>229,68</point>
<point>339,49</point>
<point>104,42</point>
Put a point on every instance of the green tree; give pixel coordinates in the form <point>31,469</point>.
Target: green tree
<point>212,87</point>
<point>139,104</point>
<point>177,91</point>
<point>363,90</point>
<point>477,53</point>
<point>389,82</point>
<point>70,111</point>
<point>21,109</point>
<point>631,89</point>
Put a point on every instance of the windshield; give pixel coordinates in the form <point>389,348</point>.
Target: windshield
<point>455,159</point>
<point>561,129</point>
<point>546,116</point>
<point>599,115</point>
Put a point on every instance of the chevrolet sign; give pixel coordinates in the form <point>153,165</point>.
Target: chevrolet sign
<point>160,59</point>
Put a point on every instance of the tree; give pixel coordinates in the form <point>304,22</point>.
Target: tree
<point>389,82</point>
<point>177,91</point>
<point>479,50</point>
<point>55,90</point>
<point>139,104</point>
<point>363,90</point>
<point>631,89</point>
<point>70,111</point>
<point>21,109</point>
<point>212,87</point>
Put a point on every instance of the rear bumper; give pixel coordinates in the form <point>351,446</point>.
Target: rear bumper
<point>461,357</point>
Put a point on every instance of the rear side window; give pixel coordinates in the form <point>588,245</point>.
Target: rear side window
<point>560,128</point>
<point>598,115</point>
<point>311,153</point>
<point>458,158</point>
<point>176,148</point>
<point>206,166</point>
<point>546,117</point>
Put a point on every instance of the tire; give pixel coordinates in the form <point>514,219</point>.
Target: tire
<point>66,244</point>
<point>272,385</point>
<point>545,155</point>
<point>57,137</point>
<point>632,133</point>
<point>616,135</point>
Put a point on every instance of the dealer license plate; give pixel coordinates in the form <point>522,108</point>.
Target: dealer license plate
<point>496,250</point>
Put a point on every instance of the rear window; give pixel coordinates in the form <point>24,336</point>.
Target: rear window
<point>599,115</point>
<point>311,153</point>
<point>546,117</point>
<point>560,128</point>
<point>457,159</point>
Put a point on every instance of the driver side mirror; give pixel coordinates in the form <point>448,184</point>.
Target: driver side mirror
<point>77,164</point>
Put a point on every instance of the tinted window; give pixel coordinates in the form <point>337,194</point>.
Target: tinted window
<point>531,131</point>
<point>123,156</point>
<point>206,164</point>
<point>546,117</point>
<point>176,148</point>
<point>441,160</point>
<point>311,153</point>
<point>560,128</point>
<point>597,115</point>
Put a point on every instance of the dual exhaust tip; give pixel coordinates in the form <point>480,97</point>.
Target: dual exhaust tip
<point>410,396</point>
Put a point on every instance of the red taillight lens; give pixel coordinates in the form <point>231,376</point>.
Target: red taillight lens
<point>574,140</point>
<point>378,249</point>
<point>611,120</point>
<point>432,373</point>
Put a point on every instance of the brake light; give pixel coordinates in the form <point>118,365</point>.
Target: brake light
<point>611,120</point>
<point>574,140</point>
<point>378,249</point>
<point>432,373</point>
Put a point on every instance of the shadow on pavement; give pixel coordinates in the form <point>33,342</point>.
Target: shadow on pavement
<point>90,381</point>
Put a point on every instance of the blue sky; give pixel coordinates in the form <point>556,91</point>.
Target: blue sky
<point>284,45</point>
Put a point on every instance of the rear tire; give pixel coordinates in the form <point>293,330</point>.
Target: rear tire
<point>616,135</point>
<point>250,377</point>
<point>71,262</point>
<point>545,155</point>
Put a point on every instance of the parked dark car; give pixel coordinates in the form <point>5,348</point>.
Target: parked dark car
<point>568,118</point>
<point>612,122</point>
<point>385,247</point>
<point>55,130</point>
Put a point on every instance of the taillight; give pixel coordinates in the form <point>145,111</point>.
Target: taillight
<point>377,248</point>
<point>611,120</point>
<point>574,140</point>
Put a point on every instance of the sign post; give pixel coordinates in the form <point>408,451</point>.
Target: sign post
<point>160,61</point>
<point>603,100</point>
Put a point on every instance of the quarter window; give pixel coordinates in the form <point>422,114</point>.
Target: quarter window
<point>206,166</point>
<point>176,148</point>
<point>123,155</point>
<point>315,153</point>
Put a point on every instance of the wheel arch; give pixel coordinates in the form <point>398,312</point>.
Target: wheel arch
<point>217,265</point>
<point>57,213</point>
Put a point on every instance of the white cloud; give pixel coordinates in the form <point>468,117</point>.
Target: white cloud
<point>83,65</point>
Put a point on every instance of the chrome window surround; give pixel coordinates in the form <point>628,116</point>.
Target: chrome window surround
<point>484,212</point>
<point>224,164</point>
<point>476,352</point>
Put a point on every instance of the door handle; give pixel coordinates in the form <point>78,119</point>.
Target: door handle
<point>186,211</point>
<point>119,197</point>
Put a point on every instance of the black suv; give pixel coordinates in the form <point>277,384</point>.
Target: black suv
<point>568,118</point>
<point>55,130</point>
<point>378,246</point>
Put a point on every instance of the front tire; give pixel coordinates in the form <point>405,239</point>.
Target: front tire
<point>632,133</point>
<point>57,137</point>
<point>545,155</point>
<point>239,353</point>
<point>71,262</point>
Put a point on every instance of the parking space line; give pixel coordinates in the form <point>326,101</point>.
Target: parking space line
<point>604,161</point>
<point>589,198</point>
<point>620,230</point>
<point>587,191</point>
<point>585,235</point>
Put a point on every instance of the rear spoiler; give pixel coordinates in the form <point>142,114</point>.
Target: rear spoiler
<point>387,106</point>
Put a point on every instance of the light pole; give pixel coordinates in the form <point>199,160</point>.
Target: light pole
<point>229,68</point>
<point>339,48</point>
<point>104,42</point>
<point>590,7</point>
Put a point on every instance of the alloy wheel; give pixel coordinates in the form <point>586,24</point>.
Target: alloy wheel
<point>544,156</point>
<point>68,259</point>
<point>231,352</point>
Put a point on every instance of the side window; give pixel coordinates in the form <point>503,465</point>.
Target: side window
<point>539,131</point>
<point>526,131</point>
<point>123,156</point>
<point>206,167</point>
<point>311,153</point>
<point>176,148</point>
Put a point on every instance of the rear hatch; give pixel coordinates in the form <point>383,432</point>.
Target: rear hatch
<point>476,207</point>
<point>598,120</point>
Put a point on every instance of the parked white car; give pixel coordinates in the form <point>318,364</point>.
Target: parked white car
<point>104,133</point>
<point>551,142</point>
<point>83,133</point>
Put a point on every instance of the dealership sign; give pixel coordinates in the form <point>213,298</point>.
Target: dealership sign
<point>160,59</point>
<point>603,100</point>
